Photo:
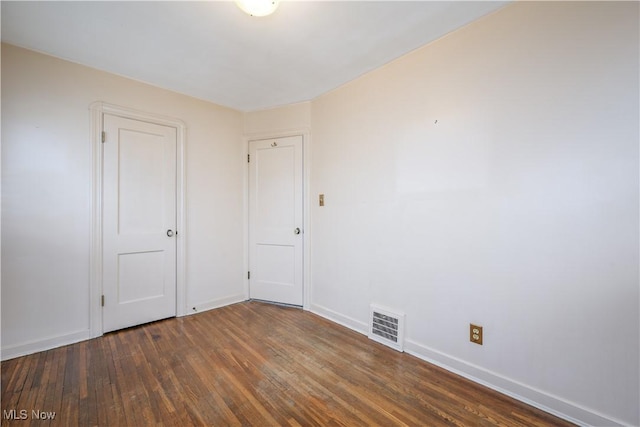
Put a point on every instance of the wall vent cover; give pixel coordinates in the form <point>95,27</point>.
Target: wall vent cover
<point>387,327</point>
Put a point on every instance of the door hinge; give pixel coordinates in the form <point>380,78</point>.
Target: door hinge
<point>248,158</point>
<point>102,300</point>
<point>104,136</point>
<point>248,275</point>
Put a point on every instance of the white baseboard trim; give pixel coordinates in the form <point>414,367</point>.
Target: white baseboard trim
<point>522,392</point>
<point>340,319</point>
<point>22,349</point>
<point>215,303</point>
<point>538,399</point>
<point>549,403</point>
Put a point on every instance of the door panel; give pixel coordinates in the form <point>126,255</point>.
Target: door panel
<point>139,277</point>
<point>275,212</point>
<point>140,183</point>
<point>139,206</point>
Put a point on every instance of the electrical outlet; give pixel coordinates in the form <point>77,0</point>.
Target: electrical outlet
<point>475,334</point>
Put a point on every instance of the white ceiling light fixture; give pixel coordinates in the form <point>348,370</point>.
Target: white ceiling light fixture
<point>258,7</point>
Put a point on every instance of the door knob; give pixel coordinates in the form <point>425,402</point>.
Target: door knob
<point>170,233</point>
<point>296,231</point>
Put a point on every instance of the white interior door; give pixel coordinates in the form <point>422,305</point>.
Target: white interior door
<point>275,220</point>
<point>139,222</point>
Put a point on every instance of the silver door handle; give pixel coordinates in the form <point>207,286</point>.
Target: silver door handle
<point>296,231</point>
<point>170,233</point>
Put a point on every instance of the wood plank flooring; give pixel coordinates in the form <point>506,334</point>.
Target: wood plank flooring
<point>247,364</point>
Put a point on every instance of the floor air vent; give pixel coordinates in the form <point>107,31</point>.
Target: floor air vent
<point>387,328</point>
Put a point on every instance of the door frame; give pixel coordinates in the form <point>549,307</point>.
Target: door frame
<point>98,109</point>
<point>306,218</point>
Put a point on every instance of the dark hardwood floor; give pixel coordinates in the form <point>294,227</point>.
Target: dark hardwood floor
<point>247,364</point>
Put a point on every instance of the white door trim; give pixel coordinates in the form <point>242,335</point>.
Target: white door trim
<point>306,259</point>
<point>98,109</point>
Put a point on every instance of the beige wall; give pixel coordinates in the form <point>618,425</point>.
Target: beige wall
<point>46,194</point>
<point>282,120</point>
<point>517,210</point>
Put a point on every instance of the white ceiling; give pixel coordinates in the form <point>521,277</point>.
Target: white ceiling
<point>213,51</point>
